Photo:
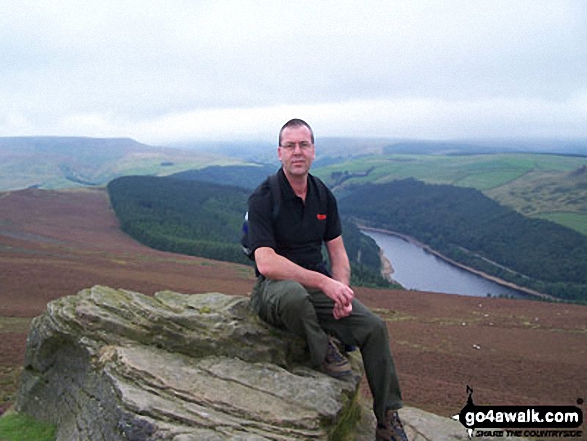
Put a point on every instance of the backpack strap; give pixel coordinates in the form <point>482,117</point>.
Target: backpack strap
<point>275,195</point>
<point>275,201</point>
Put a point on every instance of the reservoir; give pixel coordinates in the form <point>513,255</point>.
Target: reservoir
<point>414,268</point>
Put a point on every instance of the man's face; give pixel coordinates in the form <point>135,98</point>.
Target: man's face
<point>296,151</point>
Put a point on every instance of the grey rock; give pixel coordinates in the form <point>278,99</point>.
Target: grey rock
<point>109,364</point>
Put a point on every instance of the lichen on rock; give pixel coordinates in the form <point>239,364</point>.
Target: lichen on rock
<point>110,364</point>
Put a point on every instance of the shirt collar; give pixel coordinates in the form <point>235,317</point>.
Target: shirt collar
<point>288,192</point>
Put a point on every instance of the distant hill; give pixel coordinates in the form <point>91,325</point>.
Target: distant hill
<point>245,151</point>
<point>556,195</point>
<point>537,185</point>
<point>573,147</point>
<point>245,176</point>
<point>82,146</point>
<point>62,162</point>
<point>332,148</point>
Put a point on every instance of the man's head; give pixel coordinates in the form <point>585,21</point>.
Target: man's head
<point>296,148</point>
<point>295,123</point>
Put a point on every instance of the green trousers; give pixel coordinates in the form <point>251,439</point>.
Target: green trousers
<point>308,313</point>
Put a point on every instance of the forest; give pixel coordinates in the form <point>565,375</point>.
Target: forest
<point>205,219</point>
<point>185,217</point>
<point>470,228</point>
<point>246,176</point>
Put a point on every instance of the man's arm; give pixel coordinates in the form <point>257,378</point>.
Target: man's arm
<point>341,271</point>
<point>339,261</point>
<point>276,267</point>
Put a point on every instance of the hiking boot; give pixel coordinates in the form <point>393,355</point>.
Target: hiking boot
<point>335,364</point>
<point>392,429</point>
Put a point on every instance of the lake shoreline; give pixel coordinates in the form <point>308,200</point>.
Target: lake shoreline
<point>387,266</point>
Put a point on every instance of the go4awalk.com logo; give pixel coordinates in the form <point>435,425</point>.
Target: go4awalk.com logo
<point>561,422</point>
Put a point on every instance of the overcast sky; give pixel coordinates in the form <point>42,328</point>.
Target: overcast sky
<point>167,71</point>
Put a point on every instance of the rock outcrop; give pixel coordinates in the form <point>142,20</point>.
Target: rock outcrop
<point>112,365</point>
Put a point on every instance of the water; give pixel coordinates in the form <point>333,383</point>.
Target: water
<point>414,268</point>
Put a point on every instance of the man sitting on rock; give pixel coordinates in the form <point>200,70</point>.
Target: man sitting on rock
<point>296,291</point>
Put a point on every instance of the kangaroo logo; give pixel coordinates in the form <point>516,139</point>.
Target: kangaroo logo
<point>462,415</point>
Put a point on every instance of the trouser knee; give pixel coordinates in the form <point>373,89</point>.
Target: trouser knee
<point>295,303</point>
<point>283,303</point>
<point>379,325</point>
<point>377,331</point>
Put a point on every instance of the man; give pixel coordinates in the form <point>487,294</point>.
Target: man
<point>295,290</point>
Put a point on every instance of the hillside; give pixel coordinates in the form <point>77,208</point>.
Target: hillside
<point>338,148</point>
<point>559,196</point>
<point>188,217</point>
<point>64,162</point>
<point>537,185</point>
<point>244,176</point>
<point>202,218</point>
<point>474,230</point>
<point>54,243</point>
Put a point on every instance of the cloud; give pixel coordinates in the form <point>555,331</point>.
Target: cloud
<point>164,71</point>
<point>402,117</point>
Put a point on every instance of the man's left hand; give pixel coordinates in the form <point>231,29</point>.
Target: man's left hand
<point>339,311</point>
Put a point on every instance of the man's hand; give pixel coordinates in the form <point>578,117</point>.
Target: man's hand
<point>344,311</point>
<point>274,266</point>
<point>342,295</point>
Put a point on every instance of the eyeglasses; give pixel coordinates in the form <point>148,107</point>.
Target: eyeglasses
<point>291,146</point>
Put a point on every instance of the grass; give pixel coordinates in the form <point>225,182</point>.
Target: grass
<point>532,184</point>
<point>347,422</point>
<point>575,221</point>
<point>9,381</point>
<point>485,180</point>
<point>478,171</point>
<point>9,374</point>
<point>14,324</point>
<point>19,427</point>
<point>47,171</point>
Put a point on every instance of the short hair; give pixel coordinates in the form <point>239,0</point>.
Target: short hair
<point>296,122</point>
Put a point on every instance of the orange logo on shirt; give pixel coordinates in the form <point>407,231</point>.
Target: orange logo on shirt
<point>321,216</point>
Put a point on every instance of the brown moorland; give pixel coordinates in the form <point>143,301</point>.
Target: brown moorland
<point>511,352</point>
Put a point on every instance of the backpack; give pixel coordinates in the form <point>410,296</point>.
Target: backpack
<point>276,200</point>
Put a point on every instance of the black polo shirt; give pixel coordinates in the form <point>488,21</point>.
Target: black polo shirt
<point>298,230</point>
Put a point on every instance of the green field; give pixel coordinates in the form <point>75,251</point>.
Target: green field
<point>482,172</point>
<point>553,187</point>
<point>576,221</point>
